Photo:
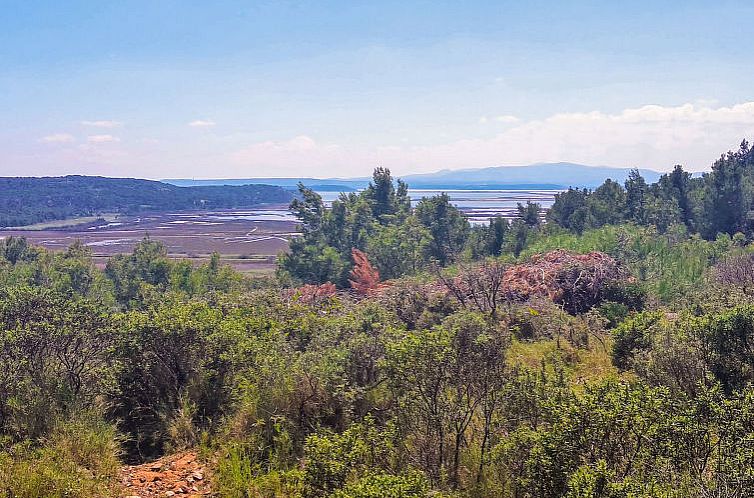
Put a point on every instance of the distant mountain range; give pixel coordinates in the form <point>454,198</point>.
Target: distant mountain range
<point>534,176</point>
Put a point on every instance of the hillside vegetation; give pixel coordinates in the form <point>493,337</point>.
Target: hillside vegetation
<point>24,201</point>
<point>398,352</point>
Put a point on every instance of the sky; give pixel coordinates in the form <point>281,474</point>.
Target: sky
<point>239,89</point>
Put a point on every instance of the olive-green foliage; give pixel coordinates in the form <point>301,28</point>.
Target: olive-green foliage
<point>402,393</point>
<point>171,372</point>
<point>669,266</point>
<point>56,354</point>
<point>378,220</point>
<point>726,339</point>
<point>79,459</point>
<point>717,202</point>
<point>333,460</point>
<point>412,485</point>
<point>633,337</point>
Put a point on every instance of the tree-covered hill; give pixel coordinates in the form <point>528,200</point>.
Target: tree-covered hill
<point>24,201</point>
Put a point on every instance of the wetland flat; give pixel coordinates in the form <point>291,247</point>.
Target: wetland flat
<point>247,239</point>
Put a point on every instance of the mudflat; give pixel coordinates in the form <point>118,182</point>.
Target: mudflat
<point>249,239</point>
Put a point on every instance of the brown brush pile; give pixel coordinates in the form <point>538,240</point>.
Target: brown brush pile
<point>572,280</point>
<point>575,281</point>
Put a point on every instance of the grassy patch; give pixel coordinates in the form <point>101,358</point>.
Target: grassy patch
<point>79,459</point>
<point>66,223</point>
<point>581,365</point>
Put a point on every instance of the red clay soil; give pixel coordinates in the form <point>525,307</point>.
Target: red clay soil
<point>179,475</point>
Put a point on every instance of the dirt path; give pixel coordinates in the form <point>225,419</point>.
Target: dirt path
<point>179,475</point>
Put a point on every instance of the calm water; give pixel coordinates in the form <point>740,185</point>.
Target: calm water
<point>479,205</point>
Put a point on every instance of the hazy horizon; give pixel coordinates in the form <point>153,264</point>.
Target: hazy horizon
<point>287,89</point>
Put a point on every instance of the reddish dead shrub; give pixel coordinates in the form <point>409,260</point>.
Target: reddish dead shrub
<point>365,279</point>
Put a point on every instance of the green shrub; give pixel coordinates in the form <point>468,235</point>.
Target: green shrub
<point>632,336</point>
<point>613,312</point>
<point>79,459</point>
<point>411,485</point>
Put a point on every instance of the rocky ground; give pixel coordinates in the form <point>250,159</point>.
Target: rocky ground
<point>179,475</point>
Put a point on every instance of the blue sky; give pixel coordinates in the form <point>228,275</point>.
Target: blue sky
<point>165,89</point>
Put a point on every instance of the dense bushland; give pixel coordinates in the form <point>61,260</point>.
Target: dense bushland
<point>551,376</point>
<point>611,362</point>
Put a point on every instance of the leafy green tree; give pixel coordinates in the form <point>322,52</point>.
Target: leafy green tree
<point>56,351</point>
<point>636,197</point>
<point>444,378</point>
<point>309,209</point>
<point>165,356</point>
<point>570,210</point>
<point>607,204</point>
<point>314,264</point>
<point>516,238</point>
<point>146,267</point>
<point>662,212</point>
<point>728,342</point>
<point>529,213</point>
<point>677,185</point>
<point>446,224</point>
<point>387,201</point>
<point>17,249</point>
<point>495,235</point>
<point>399,250</point>
<point>632,337</point>
<point>728,194</point>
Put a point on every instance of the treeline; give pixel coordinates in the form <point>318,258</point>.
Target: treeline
<point>720,201</point>
<point>25,201</point>
<point>399,240</point>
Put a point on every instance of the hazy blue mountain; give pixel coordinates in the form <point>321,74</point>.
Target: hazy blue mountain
<point>558,175</point>
<point>533,176</point>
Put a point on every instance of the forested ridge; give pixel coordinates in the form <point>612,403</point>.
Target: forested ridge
<point>602,351</point>
<point>24,201</point>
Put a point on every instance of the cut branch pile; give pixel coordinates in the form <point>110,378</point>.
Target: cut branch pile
<point>574,281</point>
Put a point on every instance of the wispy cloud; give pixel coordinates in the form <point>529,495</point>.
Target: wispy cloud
<point>102,124</point>
<point>201,123</point>
<point>505,118</point>
<point>59,138</point>
<point>101,139</point>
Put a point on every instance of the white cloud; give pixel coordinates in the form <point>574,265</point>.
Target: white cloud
<point>651,136</point>
<point>505,118</point>
<point>101,139</point>
<point>102,124</point>
<point>201,123</point>
<point>58,138</point>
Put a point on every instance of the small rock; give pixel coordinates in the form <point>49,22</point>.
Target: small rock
<point>197,475</point>
<point>169,493</point>
<point>133,496</point>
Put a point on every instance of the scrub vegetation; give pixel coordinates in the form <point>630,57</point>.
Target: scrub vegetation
<point>602,349</point>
